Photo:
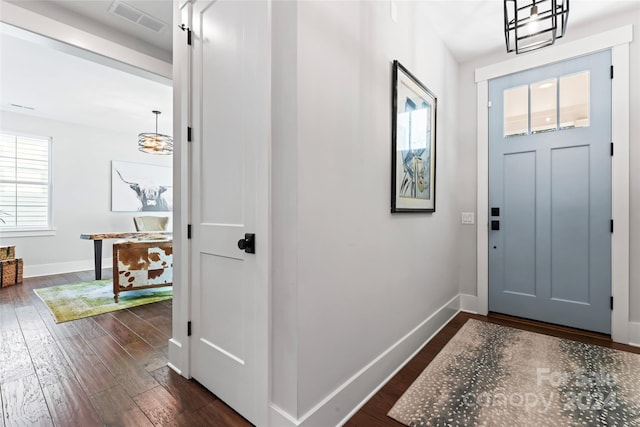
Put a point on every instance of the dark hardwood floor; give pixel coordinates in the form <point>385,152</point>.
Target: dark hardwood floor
<point>109,369</point>
<point>374,412</point>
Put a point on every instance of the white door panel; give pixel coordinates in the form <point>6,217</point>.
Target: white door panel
<point>222,303</point>
<point>230,111</point>
<point>222,239</point>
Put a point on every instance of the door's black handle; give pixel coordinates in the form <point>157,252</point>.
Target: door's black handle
<point>495,225</point>
<point>248,244</point>
<point>495,211</point>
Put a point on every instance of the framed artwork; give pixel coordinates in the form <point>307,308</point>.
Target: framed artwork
<point>413,140</point>
<point>141,187</point>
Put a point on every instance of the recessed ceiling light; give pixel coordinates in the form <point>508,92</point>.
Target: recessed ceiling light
<point>545,85</point>
<point>22,106</point>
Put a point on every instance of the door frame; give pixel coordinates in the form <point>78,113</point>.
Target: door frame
<point>179,350</point>
<point>618,41</point>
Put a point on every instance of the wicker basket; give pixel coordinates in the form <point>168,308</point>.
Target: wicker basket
<point>10,272</point>
<point>7,252</point>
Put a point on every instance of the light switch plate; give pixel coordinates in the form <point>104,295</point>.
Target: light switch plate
<point>468,218</point>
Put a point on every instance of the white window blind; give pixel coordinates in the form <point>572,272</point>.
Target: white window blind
<point>25,202</point>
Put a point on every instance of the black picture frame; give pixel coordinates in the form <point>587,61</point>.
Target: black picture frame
<point>413,144</point>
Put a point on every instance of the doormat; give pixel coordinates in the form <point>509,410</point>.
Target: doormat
<point>491,375</point>
<point>85,299</point>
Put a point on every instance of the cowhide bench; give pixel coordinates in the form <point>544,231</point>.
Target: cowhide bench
<point>142,265</point>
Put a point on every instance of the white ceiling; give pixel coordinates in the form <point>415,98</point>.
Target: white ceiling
<point>470,28</point>
<point>93,16</point>
<point>70,88</point>
<point>98,10</point>
<point>67,87</point>
<point>66,84</point>
<point>474,28</point>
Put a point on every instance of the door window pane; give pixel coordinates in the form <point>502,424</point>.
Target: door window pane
<point>574,100</point>
<point>516,111</point>
<point>544,106</point>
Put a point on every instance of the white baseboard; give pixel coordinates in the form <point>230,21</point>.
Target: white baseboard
<point>63,267</point>
<point>175,357</point>
<point>173,367</point>
<point>280,418</point>
<point>469,303</point>
<point>339,406</point>
<point>634,334</point>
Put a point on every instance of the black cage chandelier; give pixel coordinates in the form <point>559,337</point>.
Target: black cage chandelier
<point>532,24</point>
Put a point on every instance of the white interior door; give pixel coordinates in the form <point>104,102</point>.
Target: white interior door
<point>229,199</point>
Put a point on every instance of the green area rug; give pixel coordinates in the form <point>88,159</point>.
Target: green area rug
<point>78,300</point>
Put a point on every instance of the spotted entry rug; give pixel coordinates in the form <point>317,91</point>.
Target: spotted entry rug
<point>85,299</point>
<point>491,375</point>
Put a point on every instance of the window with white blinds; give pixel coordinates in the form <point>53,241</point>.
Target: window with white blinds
<point>25,178</point>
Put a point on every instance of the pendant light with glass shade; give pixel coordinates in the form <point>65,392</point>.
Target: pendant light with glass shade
<point>155,143</point>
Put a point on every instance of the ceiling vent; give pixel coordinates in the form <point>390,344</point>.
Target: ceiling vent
<point>137,16</point>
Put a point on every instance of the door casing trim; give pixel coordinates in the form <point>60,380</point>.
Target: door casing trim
<point>618,41</point>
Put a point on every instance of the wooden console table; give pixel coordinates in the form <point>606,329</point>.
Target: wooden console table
<point>99,237</point>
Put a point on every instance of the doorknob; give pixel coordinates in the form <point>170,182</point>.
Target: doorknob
<point>248,244</point>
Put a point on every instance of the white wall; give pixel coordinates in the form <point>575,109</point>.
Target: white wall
<point>467,150</point>
<point>354,277</point>
<point>81,192</point>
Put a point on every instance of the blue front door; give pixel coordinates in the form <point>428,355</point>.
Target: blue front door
<point>550,193</point>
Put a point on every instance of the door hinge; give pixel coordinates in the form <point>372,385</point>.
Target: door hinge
<point>188,30</point>
<point>189,134</point>
<point>612,226</point>
<point>612,71</point>
<point>189,328</point>
<point>612,148</point>
<point>611,303</point>
<point>188,231</point>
